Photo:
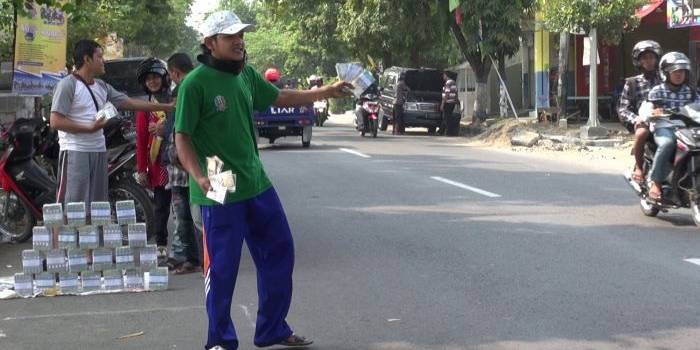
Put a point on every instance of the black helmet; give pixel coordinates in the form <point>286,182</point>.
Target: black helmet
<point>672,62</point>
<point>153,66</point>
<point>645,46</point>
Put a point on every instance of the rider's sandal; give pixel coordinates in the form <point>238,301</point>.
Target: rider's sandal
<point>654,196</point>
<point>637,177</point>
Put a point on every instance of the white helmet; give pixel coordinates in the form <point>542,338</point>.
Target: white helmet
<point>672,62</point>
<point>645,46</point>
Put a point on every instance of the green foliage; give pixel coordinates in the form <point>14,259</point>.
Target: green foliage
<point>157,26</point>
<point>374,32</point>
<point>611,18</point>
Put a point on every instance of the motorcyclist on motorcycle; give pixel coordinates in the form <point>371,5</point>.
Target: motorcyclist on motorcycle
<point>645,57</point>
<point>360,114</point>
<point>674,92</point>
<point>315,81</point>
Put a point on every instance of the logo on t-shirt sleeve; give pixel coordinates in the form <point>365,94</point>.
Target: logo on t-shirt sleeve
<point>220,103</point>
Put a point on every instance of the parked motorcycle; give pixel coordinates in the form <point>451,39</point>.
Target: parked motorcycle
<point>321,112</point>
<point>26,186</point>
<point>367,114</point>
<point>28,168</point>
<point>681,187</point>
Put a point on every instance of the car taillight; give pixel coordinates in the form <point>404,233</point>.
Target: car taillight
<point>305,122</point>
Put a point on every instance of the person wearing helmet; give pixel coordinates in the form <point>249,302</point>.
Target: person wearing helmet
<point>77,99</point>
<point>214,117</point>
<point>645,57</point>
<point>674,92</point>
<point>273,76</point>
<point>151,143</point>
<point>315,81</point>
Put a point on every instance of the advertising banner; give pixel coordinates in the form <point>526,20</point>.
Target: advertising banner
<point>683,13</point>
<point>40,50</point>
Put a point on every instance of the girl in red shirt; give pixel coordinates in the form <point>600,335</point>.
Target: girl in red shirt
<point>150,147</point>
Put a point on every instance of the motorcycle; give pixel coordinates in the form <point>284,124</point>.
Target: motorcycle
<point>367,114</point>
<point>28,168</point>
<point>321,112</point>
<point>26,185</point>
<point>680,189</point>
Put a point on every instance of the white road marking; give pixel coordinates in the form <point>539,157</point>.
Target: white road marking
<point>466,187</point>
<point>248,315</point>
<point>355,153</point>
<point>101,313</point>
<point>693,261</point>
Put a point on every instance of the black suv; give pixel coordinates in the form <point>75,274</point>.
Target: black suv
<point>422,107</point>
<point>121,74</point>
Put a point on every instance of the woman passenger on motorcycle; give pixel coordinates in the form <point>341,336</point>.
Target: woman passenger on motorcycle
<point>674,92</point>
<point>151,141</point>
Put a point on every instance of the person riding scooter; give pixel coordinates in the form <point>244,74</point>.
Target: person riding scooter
<point>320,106</point>
<point>372,92</point>
<point>675,92</point>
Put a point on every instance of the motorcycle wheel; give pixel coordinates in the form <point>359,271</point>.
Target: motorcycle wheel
<point>650,210</point>
<point>126,188</point>
<point>16,221</point>
<point>373,126</point>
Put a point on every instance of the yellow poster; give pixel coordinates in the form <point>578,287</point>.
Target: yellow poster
<point>40,50</point>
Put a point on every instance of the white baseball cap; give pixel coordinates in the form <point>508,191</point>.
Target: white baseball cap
<point>224,22</point>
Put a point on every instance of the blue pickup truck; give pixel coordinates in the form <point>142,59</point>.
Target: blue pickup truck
<point>278,122</point>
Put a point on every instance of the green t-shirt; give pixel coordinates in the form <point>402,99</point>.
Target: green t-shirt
<point>216,109</point>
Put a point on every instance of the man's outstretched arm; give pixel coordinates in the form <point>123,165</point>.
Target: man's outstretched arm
<point>289,98</point>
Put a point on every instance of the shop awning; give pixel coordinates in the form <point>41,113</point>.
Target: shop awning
<point>649,8</point>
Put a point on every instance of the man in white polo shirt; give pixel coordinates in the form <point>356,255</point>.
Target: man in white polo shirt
<point>82,165</point>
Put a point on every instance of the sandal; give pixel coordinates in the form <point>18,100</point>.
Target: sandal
<point>186,268</point>
<point>654,196</point>
<point>637,176</point>
<point>173,264</point>
<point>295,340</point>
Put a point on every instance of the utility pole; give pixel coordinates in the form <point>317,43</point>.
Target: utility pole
<point>593,129</point>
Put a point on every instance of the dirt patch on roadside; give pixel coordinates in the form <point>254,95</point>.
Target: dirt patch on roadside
<point>559,143</point>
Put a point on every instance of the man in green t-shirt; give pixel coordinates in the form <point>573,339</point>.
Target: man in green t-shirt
<point>214,117</point>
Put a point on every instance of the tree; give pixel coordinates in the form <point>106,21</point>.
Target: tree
<point>157,25</point>
<point>610,18</point>
<point>7,24</point>
<point>489,28</point>
<point>363,30</point>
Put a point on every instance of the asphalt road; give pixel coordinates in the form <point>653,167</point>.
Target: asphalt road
<point>419,242</point>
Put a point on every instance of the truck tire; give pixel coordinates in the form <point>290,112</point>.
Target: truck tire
<point>306,137</point>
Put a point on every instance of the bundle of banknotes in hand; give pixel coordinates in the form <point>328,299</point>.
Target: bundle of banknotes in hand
<point>222,182</point>
<point>355,74</point>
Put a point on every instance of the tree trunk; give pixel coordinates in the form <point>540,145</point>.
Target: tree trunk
<point>415,57</point>
<point>503,97</point>
<point>481,67</point>
<point>564,44</point>
<point>482,93</point>
<point>387,60</point>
